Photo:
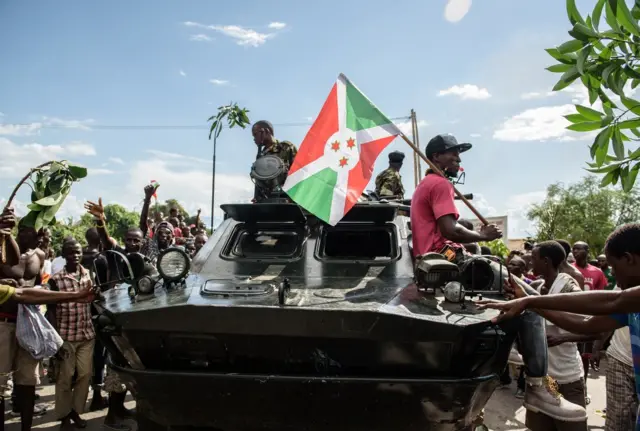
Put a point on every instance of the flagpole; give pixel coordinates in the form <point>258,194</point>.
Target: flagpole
<point>415,156</point>
<point>437,170</point>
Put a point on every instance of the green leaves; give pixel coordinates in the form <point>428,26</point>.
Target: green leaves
<point>234,115</point>
<point>607,61</point>
<point>50,187</point>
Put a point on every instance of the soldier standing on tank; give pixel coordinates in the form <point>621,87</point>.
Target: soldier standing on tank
<point>389,181</point>
<point>262,132</point>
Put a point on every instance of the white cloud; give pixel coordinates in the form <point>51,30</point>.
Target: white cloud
<point>30,129</point>
<point>18,159</point>
<point>475,135</point>
<point>537,95</point>
<point>99,171</point>
<point>219,81</point>
<point>277,25</point>
<point>406,126</point>
<point>69,124</point>
<point>537,124</point>
<point>243,36</point>
<point>177,158</point>
<point>456,9</point>
<point>182,73</point>
<point>116,160</point>
<point>200,38</point>
<point>20,129</point>
<point>179,182</point>
<point>466,91</point>
<point>77,148</point>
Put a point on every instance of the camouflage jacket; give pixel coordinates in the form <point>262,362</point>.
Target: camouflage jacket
<point>389,183</point>
<point>285,150</point>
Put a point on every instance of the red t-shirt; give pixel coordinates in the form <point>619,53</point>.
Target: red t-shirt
<point>594,278</point>
<point>433,199</point>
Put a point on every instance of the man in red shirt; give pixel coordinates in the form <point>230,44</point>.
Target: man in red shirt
<point>434,225</point>
<point>433,208</point>
<point>594,278</point>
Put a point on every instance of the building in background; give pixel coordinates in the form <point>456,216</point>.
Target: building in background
<point>501,222</point>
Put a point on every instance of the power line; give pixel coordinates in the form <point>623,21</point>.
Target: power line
<point>157,127</point>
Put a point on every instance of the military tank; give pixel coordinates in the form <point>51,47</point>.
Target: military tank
<point>282,322</point>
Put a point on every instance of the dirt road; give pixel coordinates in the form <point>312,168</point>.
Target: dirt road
<point>503,412</point>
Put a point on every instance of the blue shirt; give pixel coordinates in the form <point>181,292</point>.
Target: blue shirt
<point>632,320</point>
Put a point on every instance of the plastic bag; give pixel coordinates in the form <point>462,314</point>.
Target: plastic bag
<point>35,334</point>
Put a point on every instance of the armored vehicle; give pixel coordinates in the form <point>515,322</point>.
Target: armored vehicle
<point>282,322</point>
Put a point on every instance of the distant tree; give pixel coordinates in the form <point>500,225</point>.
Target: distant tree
<point>498,247</point>
<point>584,212</point>
<point>163,208</point>
<point>605,59</point>
<point>119,220</point>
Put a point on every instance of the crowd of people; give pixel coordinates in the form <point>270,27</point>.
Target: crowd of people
<point>68,285</point>
<point>563,306</point>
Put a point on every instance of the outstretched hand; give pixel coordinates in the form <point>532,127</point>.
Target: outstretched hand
<point>509,309</point>
<point>86,295</point>
<point>95,209</point>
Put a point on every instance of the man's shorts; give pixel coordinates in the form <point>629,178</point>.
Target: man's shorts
<point>14,360</point>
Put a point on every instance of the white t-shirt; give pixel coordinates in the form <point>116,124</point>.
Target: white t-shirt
<point>565,362</point>
<point>620,347</point>
<point>58,264</point>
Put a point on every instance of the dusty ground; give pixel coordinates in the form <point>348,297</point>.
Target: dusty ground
<point>504,412</point>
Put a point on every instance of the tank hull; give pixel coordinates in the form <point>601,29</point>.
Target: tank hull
<point>249,402</point>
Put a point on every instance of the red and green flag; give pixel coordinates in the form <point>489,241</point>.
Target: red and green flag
<point>335,161</point>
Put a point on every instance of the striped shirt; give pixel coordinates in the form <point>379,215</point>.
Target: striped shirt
<point>73,318</point>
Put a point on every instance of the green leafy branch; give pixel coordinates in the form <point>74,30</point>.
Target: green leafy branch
<point>605,60</point>
<point>235,116</point>
<point>50,185</point>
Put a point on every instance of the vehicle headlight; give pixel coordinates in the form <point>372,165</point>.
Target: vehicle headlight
<point>173,264</point>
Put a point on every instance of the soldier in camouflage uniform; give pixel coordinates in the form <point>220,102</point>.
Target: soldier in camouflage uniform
<point>262,132</point>
<point>389,181</point>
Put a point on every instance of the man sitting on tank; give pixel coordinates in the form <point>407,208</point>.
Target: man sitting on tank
<point>435,228</point>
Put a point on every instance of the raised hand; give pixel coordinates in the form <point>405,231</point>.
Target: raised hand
<point>149,190</point>
<point>7,221</point>
<point>95,209</point>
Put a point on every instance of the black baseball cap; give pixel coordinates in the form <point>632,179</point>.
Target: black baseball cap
<point>444,143</point>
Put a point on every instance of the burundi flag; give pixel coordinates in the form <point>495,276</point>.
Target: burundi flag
<point>335,160</point>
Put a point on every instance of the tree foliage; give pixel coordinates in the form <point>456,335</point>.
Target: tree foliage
<point>584,211</point>
<point>119,220</point>
<point>605,59</point>
<point>497,247</point>
<point>163,209</point>
<point>234,115</point>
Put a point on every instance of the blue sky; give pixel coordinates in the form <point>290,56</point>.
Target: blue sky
<point>74,69</point>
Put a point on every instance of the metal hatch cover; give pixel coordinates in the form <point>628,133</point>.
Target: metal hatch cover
<point>372,213</point>
<point>264,212</point>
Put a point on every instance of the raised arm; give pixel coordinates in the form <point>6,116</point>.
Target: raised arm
<point>97,210</point>
<point>7,222</point>
<point>144,214</point>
